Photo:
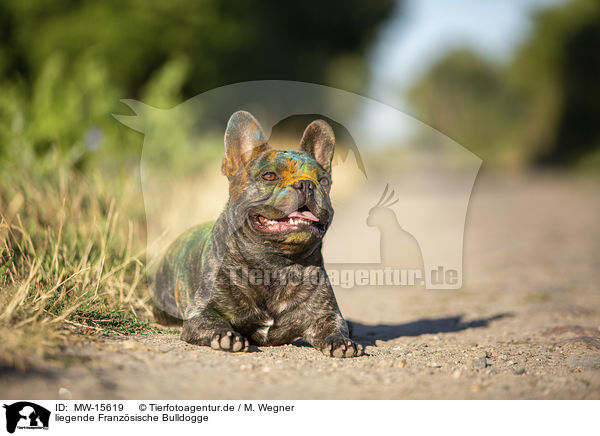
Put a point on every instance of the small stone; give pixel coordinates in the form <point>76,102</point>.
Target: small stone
<point>266,369</point>
<point>64,394</point>
<point>477,363</point>
<point>456,374</point>
<point>519,371</point>
<point>401,364</point>
<point>433,365</point>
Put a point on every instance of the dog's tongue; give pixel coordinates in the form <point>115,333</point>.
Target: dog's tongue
<point>304,214</point>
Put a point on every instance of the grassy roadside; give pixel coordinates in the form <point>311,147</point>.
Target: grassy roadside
<point>71,261</point>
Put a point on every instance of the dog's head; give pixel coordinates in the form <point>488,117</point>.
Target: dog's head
<point>279,198</point>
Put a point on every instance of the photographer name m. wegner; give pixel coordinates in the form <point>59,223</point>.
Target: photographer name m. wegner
<point>345,278</point>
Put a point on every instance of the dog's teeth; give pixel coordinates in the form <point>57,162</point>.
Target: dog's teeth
<point>293,221</point>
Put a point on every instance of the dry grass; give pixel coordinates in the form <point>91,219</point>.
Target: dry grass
<point>70,262</point>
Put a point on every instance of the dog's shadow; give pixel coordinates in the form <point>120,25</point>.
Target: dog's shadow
<point>369,334</point>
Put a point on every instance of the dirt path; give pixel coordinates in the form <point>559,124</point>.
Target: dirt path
<point>525,325</point>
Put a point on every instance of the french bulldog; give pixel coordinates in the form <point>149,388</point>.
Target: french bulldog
<point>255,276</point>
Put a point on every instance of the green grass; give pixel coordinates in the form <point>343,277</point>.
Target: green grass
<point>71,261</point>
<point>117,321</point>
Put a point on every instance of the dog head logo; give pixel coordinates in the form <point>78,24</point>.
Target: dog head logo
<point>431,176</point>
<point>26,415</point>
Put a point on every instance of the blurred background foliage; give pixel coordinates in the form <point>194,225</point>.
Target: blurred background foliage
<point>542,107</point>
<point>65,64</point>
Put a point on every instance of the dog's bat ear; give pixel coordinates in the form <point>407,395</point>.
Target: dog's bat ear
<point>244,139</point>
<point>318,140</point>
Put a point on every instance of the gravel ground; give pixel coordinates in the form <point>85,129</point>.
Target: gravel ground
<point>525,325</point>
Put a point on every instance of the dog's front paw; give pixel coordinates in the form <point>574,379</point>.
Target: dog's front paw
<point>339,346</point>
<point>228,340</point>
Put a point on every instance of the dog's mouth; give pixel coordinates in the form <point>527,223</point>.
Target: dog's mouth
<point>301,219</point>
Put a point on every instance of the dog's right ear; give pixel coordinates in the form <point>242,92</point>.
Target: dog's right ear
<point>244,139</point>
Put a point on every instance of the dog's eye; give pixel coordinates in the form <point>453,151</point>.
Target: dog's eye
<point>269,175</point>
<point>324,181</point>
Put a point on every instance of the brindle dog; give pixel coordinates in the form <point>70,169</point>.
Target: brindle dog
<point>256,275</point>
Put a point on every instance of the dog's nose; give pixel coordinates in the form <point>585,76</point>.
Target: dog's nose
<point>304,185</point>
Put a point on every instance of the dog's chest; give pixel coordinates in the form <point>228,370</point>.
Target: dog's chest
<point>276,313</point>
<point>262,330</point>
<point>273,328</point>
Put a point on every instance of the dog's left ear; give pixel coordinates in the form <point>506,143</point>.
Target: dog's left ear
<point>318,140</point>
<point>244,139</point>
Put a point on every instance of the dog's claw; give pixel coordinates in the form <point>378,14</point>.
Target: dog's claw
<point>340,347</point>
<point>229,341</point>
